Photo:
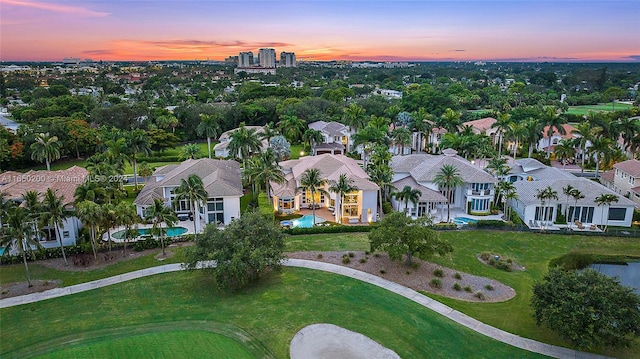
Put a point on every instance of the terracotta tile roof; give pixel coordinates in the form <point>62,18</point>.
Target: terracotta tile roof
<point>62,182</point>
<point>567,128</point>
<point>481,125</point>
<point>607,176</point>
<point>427,194</point>
<point>424,167</point>
<point>630,167</point>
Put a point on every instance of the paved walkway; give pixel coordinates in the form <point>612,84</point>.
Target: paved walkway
<point>460,318</point>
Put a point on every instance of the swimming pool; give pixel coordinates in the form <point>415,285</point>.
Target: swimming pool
<point>171,232</point>
<point>463,220</point>
<point>306,221</point>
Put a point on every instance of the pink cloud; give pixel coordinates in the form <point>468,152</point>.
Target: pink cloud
<point>55,8</point>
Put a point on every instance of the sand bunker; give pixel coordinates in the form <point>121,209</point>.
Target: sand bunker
<point>319,341</point>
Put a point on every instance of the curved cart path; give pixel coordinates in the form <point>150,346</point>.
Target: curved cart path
<point>458,317</point>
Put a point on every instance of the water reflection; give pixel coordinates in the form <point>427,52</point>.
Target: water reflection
<point>628,274</point>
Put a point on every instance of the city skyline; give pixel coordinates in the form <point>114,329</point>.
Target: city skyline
<point>527,30</point>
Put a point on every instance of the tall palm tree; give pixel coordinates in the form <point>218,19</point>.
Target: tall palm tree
<point>192,190</point>
<point>406,195</point>
<point>600,149</point>
<point>516,132</point>
<point>563,151</point>
<point>629,128</point>
<point>422,125</point>
<point>90,214</point>
<point>450,120</point>
<point>341,187</point>
<point>567,192</point>
<point>243,142</point>
<point>269,131</point>
<point>367,137</point>
<point>46,148</point>
<point>265,169</point>
<point>312,137</point>
<point>108,220</point>
<point>31,201</point>
<point>90,191</point>
<point>292,127</point>
<point>159,213</point>
<point>552,120</point>
<point>533,133</point>
<point>577,195</point>
<point>190,151</point>
<point>382,175</point>
<point>19,233</point>
<point>138,142</point>
<point>126,216</point>
<point>509,196</point>
<point>606,199</point>
<point>311,182</point>
<point>448,177</point>
<point>55,214</point>
<point>401,137</point>
<point>502,125</point>
<point>586,133</point>
<point>354,116</point>
<point>116,153</point>
<point>208,127</point>
<point>545,195</point>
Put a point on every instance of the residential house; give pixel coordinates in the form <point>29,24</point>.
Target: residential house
<point>483,126</point>
<point>624,179</point>
<point>221,148</point>
<point>419,170</point>
<point>546,140</point>
<point>221,179</point>
<point>359,206</point>
<point>9,124</point>
<point>63,182</point>
<point>529,177</point>
<point>336,138</point>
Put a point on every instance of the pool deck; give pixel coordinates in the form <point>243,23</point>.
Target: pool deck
<point>186,224</point>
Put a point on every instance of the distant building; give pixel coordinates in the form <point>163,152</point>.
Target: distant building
<point>267,58</point>
<point>624,179</point>
<point>288,59</point>
<point>245,59</point>
<point>71,61</point>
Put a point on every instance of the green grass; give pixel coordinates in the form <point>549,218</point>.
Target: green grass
<point>584,109</point>
<point>328,242</point>
<point>183,344</point>
<point>271,312</point>
<point>295,151</point>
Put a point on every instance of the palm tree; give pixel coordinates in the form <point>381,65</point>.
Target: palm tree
<point>367,137</point>
<point>629,129</point>
<point>116,154</point>
<point>31,202</point>
<point>448,177</point>
<point>292,127</point>
<point>422,125</point>
<point>354,116</point>
<point>586,133</point>
<point>533,133</point>
<point>46,148</point>
<point>516,132</point>
<point>192,190</point>
<point>406,195</point>
<point>190,151</point>
<point>552,121</point>
<point>159,213</point>
<point>265,169</point>
<point>497,166</point>
<point>268,132</point>
<point>208,127</point>
<point>606,199</point>
<point>341,187</point>
<point>312,137</point>
<point>600,148</point>
<point>108,219</point>
<point>90,191</point>
<point>544,195</point>
<point>563,151</point>
<point>502,124</point>
<point>90,214</point>
<point>243,141</point>
<point>138,142</point>
<point>19,233</point>
<point>577,195</point>
<point>450,120</point>
<point>126,216</point>
<point>382,175</point>
<point>402,137</point>
<point>509,196</point>
<point>312,182</point>
<point>55,215</point>
<point>567,192</point>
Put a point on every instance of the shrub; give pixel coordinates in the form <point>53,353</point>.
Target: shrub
<point>436,283</point>
<point>265,207</point>
<point>503,265</point>
<point>457,286</point>
<point>383,271</point>
<point>480,295</point>
<point>415,265</point>
<point>468,289</point>
<point>363,260</point>
<point>488,287</point>
<point>485,256</point>
<point>386,207</point>
<point>346,259</point>
<point>573,260</point>
<point>492,223</point>
<point>457,276</point>
<point>329,229</point>
<point>319,255</point>
<point>351,254</point>
<point>377,255</point>
<point>438,273</point>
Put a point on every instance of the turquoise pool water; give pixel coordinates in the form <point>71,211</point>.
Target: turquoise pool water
<point>464,220</point>
<point>171,232</point>
<point>306,221</point>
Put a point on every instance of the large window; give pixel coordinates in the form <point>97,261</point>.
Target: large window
<point>617,214</point>
<point>582,214</point>
<point>480,205</point>
<point>215,210</point>
<point>286,203</point>
<point>544,213</point>
<point>183,205</point>
<point>451,196</point>
<point>350,205</point>
<point>477,187</point>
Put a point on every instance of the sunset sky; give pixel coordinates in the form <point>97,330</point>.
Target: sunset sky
<point>418,30</point>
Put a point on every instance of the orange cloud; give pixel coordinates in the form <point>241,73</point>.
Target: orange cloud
<point>56,8</point>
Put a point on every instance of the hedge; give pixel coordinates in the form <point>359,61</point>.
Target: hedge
<point>329,229</point>
<point>265,208</point>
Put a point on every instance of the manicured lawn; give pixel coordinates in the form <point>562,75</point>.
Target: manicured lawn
<point>534,251</point>
<point>272,312</point>
<point>583,110</point>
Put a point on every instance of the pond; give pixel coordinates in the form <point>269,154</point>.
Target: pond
<point>629,273</point>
